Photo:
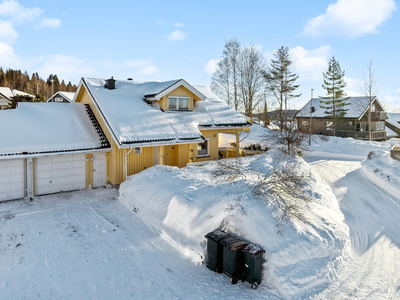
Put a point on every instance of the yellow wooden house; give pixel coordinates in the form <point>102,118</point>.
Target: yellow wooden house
<point>157,123</point>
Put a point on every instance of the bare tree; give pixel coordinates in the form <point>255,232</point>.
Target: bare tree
<point>251,78</point>
<point>220,81</point>
<point>370,90</point>
<point>231,53</point>
<point>239,76</point>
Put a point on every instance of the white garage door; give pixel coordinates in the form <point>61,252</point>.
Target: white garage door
<point>12,179</point>
<point>60,173</point>
<point>99,170</point>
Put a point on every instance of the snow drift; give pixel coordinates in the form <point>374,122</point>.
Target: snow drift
<point>183,205</point>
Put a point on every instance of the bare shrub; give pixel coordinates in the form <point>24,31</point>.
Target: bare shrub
<point>229,170</point>
<point>282,188</point>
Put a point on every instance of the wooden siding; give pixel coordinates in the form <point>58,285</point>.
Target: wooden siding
<point>139,162</point>
<point>114,158</point>
<point>174,155</point>
<point>179,92</point>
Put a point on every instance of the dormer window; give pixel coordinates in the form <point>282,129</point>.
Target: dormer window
<point>178,103</point>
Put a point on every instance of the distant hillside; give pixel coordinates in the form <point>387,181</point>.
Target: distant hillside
<point>16,79</point>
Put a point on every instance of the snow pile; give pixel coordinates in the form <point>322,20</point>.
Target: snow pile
<point>384,171</point>
<point>183,205</point>
<point>348,145</point>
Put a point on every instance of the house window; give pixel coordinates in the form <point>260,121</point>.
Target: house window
<point>178,103</point>
<point>304,123</point>
<point>329,125</point>
<point>58,99</point>
<point>202,149</point>
<point>380,125</point>
<point>349,123</point>
<point>373,109</point>
<point>138,150</point>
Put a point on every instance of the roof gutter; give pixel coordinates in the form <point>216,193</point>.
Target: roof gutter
<point>2,157</point>
<point>163,143</point>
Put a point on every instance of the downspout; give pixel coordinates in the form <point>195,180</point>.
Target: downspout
<point>126,163</point>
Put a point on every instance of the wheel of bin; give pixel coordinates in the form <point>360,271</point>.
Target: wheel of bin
<point>243,277</point>
<point>219,268</point>
<point>254,286</point>
<point>235,278</point>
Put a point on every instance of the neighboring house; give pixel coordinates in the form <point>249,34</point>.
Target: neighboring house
<point>158,123</point>
<point>64,97</point>
<point>5,97</point>
<point>354,124</point>
<point>393,123</point>
<point>48,148</point>
<point>276,115</point>
<point>6,94</point>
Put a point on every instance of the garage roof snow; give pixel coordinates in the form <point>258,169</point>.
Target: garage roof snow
<point>35,128</point>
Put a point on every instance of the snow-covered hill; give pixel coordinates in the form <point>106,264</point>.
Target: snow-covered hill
<point>183,205</point>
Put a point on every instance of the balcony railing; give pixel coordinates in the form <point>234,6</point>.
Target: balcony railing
<point>378,135</point>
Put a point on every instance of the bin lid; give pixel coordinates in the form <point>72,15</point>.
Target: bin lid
<point>233,243</point>
<point>216,235</point>
<point>253,250</point>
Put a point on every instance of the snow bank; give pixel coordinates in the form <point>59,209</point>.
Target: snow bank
<point>384,171</point>
<point>183,205</point>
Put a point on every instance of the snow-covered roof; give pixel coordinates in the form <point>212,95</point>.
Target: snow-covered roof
<point>67,95</point>
<point>133,120</point>
<point>35,128</point>
<point>7,92</point>
<point>17,92</point>
<point>356,108</point>
<point>393,119</point>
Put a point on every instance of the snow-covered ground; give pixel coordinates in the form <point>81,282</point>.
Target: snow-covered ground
<point>88,245</point>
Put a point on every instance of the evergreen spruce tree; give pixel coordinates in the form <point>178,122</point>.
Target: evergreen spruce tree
<point>336,101</point>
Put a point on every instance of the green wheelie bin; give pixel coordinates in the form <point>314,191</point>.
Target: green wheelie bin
<point>233,258</point>
<point>214,250</point>
<point>253,260</point>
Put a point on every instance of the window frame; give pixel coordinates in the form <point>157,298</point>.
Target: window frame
<point>207,140</point>
<point>177,103</point>
<point>137,150</point>
<point>329,125</point>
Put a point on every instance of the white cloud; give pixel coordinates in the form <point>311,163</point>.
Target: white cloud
<point>175,36</point>
<point>65,66</point>
<point>148,71</point>
<point>17,13</point>
<point>353,87</point>
<point>350,19</point>
<point>47,22</point>
<point>7,56</point>
<point>7,32</point>
<point>144,65</point>
<point>211,66</point>
<point>178,24</point>
<point>136,64</point>
<point>309,64</point>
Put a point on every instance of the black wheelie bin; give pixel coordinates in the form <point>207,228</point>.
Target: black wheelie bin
<point>253,260</point>
<point>233,258</point>
<point>214,250</point>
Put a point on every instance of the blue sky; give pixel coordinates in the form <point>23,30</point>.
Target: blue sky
<point>164,40</point>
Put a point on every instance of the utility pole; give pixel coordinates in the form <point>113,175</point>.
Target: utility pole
<point>311,112</point>
<point>52,80</point>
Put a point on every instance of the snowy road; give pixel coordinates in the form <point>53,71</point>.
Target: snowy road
<point>371,264</point>
<point>85,245</point>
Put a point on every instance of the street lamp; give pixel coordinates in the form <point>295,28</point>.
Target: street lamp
<point>311,112</point>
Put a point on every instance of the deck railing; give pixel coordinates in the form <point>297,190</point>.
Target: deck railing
<point>378,135</point>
